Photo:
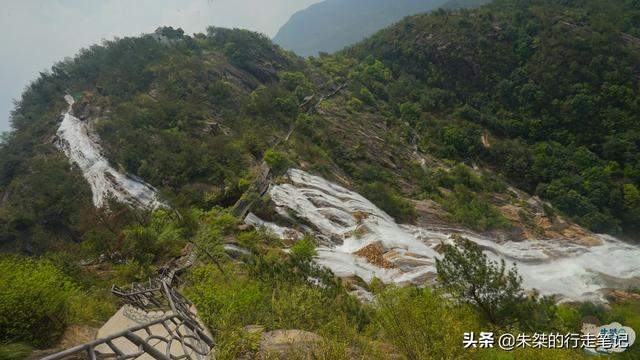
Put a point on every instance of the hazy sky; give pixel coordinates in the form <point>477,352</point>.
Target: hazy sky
<point>36,33</point>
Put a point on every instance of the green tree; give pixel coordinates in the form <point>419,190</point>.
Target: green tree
<point>632,203</point>
<point>410,112</point>
<point>392,203</point>
<point>277,160</point>
<point>490,287</point>
<point>473,211</point>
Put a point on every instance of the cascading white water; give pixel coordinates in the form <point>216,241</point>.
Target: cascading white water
<point>75,140</point>
<point>347,222</point>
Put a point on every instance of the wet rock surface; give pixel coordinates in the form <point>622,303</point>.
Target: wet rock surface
<point>76,139</point>
<point>357,239</point>
<point>374,254</point>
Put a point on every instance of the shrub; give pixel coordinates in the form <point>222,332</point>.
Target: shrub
<point>473,211</point>
<point>423,325</point>
<point>15,351</point>
<point>34,301</point>
<point>277,160</point>
<point>494,291</point>
<point>304,250</point>
<point>225,304</point>
<point>236,343</point>
<point>354,105</point>
<point>388,200</point>
<point>459,175</point>
<point>410,112</point>
<point>160,239</point>
<point>214,226</point>
<point>461,142</point>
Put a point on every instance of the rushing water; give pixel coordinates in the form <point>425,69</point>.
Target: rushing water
<point>346,222</point>
<point>77,142</point>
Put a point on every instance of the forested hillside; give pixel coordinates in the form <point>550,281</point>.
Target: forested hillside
<point>515,125</point>
<point>555,86</point>
<point>188,117</point>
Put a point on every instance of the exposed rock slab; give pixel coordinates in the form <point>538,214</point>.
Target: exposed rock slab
<point>575,265</point>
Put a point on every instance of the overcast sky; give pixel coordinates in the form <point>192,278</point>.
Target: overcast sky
<point>34,34</point>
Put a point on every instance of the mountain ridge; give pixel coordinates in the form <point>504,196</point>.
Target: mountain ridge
<point>330,25</point>
<point>242,79</point>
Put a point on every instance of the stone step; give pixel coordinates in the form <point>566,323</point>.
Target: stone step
<point>168,337</point>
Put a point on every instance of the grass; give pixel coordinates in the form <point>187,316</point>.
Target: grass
<point>273,289</point>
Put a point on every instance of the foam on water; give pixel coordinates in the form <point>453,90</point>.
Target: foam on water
<point>280,231</point>
<point>348,222</point>
<point>76,141</point>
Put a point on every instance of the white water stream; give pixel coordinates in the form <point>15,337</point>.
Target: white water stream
<point>347,222</point>
<point>76,140</point>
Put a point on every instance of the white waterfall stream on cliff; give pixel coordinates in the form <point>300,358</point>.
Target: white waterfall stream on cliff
<point>347,222</point>
<point>77,142</point>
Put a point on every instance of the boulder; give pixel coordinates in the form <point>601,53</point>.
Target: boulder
<point>619,295</point>
<point>363,295</point>
<point>406,261</point>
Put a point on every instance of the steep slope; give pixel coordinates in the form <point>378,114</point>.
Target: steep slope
<point>187,116</point>
<point>333,24</point>
<point>447,119</point>
<point>544,93</point>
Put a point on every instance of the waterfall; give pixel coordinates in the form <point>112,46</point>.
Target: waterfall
<point>76,140</point>
<point>346,222</point>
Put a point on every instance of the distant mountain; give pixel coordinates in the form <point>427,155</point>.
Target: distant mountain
<point>464,4</point>
<point>333,24</point>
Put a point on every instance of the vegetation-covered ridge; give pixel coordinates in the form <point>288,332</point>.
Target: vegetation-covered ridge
<point>188,116</point>
<point>543,92</point>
